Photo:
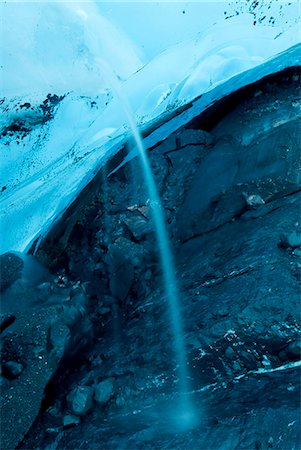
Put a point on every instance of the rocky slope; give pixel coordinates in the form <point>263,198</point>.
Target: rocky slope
<point>230,187</point>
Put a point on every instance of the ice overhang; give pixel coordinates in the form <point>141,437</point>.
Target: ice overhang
<point>30,208</point>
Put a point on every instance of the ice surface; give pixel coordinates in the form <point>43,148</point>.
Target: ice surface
<point>44,168</point>
<point>54,47</point>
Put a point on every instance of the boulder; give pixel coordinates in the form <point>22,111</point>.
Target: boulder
<point>229,353</point>
<point>294,348</point>
<point>169,144</point>
<point>70,421</point>
<point>253,201</point>
<point>249,360</point>
<point>104,391</point>
<point>139,227</point>
<point>124,250</point>
<point>120,401</point>
<point>80,400</point>
<point>70,331</point>
<point>292,240</point>
<point>297,252</point>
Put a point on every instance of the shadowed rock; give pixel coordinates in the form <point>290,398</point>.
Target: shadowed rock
<point>11,266</point>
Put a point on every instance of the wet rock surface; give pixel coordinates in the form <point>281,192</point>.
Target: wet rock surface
<point>231,198</point>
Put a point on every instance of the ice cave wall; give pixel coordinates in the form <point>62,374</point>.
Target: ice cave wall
<point>60,119</point>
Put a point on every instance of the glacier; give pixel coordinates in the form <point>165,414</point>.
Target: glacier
<point>150,219</point>
<point>61,120</point>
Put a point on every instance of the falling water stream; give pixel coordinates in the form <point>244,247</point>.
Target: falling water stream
<point>184,408</point>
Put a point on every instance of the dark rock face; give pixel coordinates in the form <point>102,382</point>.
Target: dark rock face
<point>35,344</point>
<point>231,197</point>
<point>11,266</point>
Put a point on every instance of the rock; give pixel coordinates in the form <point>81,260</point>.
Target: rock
<point>236,366</point>
<point>188,136</point>
<point>70,421</point>
<point>145,211</point>
<point>104,391</point>
<point>249,360</point>
<point>120,401</point>
<point>265,361</point>
<point>223,312</point>
<point>253,201</point>
<point>294,348</point>
<point>72,330</point>
<point>148,275</point>
<point>59,338</point>
<point>80,400</point>
<point>121,281</point>
<point>5,321</point>
<point>125,257</point>
<point>12,370</point>
<point>229,353</point>
<point>248,407</point>
<point>169,144</point>
<point>220,328</point>
<point>96,361</point>
<point>139,227</point>
<point>45,287</point>
<point>104,310</point>
<point>11,266</point>
<point>54,411</point>
<point>214,176</point>
<point>283,355</point>
<point>292,240</point>
<point>124,250</point>
<point>76,289</point>
<point>52,431</point>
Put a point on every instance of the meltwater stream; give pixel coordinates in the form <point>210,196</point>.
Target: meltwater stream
<point>184,415</point>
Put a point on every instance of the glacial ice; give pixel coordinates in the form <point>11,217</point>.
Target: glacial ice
<point>43,170</point>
